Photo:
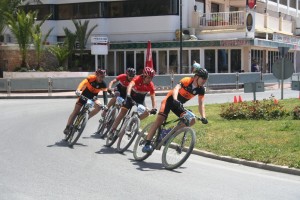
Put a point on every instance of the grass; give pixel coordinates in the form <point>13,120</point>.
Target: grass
<point>274,141</point>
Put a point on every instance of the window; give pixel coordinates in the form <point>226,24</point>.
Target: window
<point>293,3</point>
<point>235,60</point>
<point>200,5</point>
<point>65,11</point>
<point>215,7</point>
<point>210,63</point>
<point>222,60</point>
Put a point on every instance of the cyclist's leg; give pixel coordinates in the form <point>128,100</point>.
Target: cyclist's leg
<point>120,116</point>
<point>97,108</point>
<point>72,116</point>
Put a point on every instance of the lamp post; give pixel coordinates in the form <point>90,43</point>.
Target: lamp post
<point>180,37</point>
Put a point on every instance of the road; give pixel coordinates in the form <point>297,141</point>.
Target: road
<point>36,164</point>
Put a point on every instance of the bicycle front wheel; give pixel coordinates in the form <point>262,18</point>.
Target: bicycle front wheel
<point>138,154</point>
<point>78,127</point>
<point>178,148</point>
<point>108,122</point>
<point>128,134</point>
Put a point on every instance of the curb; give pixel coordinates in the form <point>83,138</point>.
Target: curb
<point>270,167</point>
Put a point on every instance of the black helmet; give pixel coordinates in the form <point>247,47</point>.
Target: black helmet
<point>130,72</point>
<point>201,73</point>
<point>100,72</point>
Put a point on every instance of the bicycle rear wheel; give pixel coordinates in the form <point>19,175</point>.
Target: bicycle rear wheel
<point>128,134</point>
<point>108,122</point>
<point>111,138</point>
<point>178,148</point>
<point>138,154</point>
<point>78,127</point>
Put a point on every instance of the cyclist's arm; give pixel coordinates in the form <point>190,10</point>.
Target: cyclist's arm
<point>175,91</point>
<point>153,101</point>
<point>82,85</point>
<point>129,88</point>
<point>111,83</point>
<point>105,97</point>
<point>201,106</point>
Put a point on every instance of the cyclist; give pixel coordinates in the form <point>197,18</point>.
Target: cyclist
<point>186,89</point>
<point>136,91</point>
<point>124,80</point>
<point>89,87</point>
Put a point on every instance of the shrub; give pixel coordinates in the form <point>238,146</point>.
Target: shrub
<point>265,109</point>
<point>296,113</point>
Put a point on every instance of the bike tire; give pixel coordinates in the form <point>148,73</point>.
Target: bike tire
<point>174,153</point>
<point>111,138</point>
<point>78,127</point>
<point>109,120</point>
<point>138,154</point>
<point>128,134</point>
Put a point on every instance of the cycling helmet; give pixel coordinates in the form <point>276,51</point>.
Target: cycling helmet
<point>201,73</point>
<point>100,72</point>
<point>130,72</point>
<point>148,71</point>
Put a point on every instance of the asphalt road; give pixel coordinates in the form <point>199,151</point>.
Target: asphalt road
<point>36,164</point>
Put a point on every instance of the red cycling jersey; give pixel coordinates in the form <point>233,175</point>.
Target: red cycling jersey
<point>123,80</point>
<point>141,88</point>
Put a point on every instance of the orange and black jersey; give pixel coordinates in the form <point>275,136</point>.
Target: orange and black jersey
<point>187,90</point>
<point>90,87</point>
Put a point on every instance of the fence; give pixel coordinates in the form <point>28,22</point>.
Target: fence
<point>162,82</point>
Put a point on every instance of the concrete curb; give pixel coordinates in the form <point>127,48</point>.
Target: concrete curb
<point>270,167</point>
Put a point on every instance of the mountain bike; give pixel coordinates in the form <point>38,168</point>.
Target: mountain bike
<point>178,141</point>
<point>106,121</point>
<point>131,113</point>
<point>80,121</point>
<point>131,128</point>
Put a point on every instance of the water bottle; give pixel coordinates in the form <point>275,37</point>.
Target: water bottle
<point>163,133</point>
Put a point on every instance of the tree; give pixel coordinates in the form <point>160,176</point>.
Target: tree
<point>70,42</point>
<point>20,26</point>
<point>61,52</point>
<point>9,6</point>
<point>38,40</point>
<point>82,34</point>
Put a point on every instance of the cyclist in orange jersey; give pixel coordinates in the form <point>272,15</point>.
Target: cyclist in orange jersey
<point>89,87</point>
<point>186,89</point>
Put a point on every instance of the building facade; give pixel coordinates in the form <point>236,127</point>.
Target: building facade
<point>224,36</point>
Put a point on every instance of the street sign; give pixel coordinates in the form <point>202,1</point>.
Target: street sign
<point>254,87</point>
<point>286,72</point>
<point>99,40</point>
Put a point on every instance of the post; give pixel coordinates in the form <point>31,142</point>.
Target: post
<point>180,53</point>
<point>237,81</point>
<point>254,90</point>
<point>49,86</point>
<point>282,76</point>
<point>8,87</point>
<point>96,62</point>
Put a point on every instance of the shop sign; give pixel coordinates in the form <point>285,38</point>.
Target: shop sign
<point>277,37</point>
<point>234,42</point>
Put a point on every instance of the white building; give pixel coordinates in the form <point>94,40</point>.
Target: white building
<point>230,36</point>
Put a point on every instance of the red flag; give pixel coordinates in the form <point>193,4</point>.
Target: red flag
<point>149,61</point>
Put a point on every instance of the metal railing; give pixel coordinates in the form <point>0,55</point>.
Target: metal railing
<point>223,19</point>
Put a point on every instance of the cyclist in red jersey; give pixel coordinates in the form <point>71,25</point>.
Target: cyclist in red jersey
<point>124,80</point>
<point>89,87</point>
<point>136,91</point>
<point>186,89</point>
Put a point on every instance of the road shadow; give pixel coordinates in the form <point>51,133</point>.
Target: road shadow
<point>64,143</point>
<point>107,150</point>
<point>150,166</point>
<point>93,136</point>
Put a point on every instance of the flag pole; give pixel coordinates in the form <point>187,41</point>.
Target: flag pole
<point>180,29</point>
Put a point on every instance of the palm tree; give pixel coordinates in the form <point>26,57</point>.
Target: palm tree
<point>9,6</point>
<point>38,40</point>
<point>20,26</point>
<point>82,34</point>
<point>70,42</point>
<point>61,52</point>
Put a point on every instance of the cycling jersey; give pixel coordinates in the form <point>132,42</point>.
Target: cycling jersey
<point>122,85</point>
<point>185,93</point>
<point>90,87</point>
<point>139,90</point>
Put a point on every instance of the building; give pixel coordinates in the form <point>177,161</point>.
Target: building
<point>224,36</point>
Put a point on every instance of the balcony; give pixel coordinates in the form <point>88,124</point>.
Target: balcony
<point>228,22</point>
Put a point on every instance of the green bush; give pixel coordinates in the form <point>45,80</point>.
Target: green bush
<point>296,113</point>
<point>265,109</point>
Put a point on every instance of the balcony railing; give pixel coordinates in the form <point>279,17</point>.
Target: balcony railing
<point>223,19</point>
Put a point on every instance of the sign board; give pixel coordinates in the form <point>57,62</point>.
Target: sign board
<point>251,3</point>
<point>99,40</point>
<point>288,68</point>
<point>99,49</point>
<point>296,85</point>
<point>254,87</point>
